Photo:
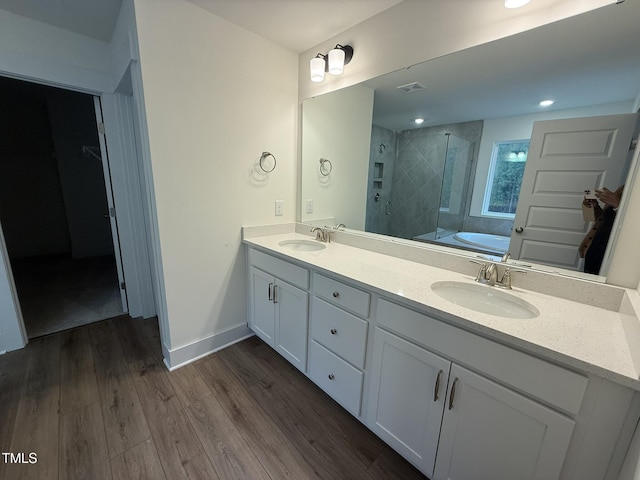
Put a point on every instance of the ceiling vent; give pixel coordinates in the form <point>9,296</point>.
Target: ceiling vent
<point>411,87</point>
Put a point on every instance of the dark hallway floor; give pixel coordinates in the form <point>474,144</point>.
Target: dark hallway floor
<point>58,293</point>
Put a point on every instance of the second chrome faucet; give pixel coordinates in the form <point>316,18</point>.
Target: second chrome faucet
<point>489,273</point>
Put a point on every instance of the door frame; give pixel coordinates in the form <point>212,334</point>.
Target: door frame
<point>136,227</point>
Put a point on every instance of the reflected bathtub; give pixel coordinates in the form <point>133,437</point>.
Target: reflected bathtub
<point>486,241</point>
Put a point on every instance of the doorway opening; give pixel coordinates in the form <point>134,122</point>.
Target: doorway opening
<point>54,209</point>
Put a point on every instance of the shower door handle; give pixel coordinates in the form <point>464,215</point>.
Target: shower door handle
<point>519,230</point>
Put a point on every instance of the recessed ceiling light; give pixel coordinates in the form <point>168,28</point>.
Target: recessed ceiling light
<point>515,3</point>
<point>546,103</point>
<point>418,121</point>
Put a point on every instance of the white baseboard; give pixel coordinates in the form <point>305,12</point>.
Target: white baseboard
<point>186,354</point>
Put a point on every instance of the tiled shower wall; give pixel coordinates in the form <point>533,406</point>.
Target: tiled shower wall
<point>413,179</point>
<point>382,155</point>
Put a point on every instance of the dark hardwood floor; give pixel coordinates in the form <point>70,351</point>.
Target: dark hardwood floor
<point>96,403</point>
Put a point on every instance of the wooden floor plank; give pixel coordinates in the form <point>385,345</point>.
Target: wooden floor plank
<point>336,421</point>
<point>89,410</point>
<point>277,455</point>
<point>229,453</point>
<point>37,426</point>
<point>78,386</point>
<point>391,466</point>
<point>83,445</point>
<point>12,375</point>
<point>189,384</point>
<point>180,452</point>
<point>124,421</point>
<point>138,463</point>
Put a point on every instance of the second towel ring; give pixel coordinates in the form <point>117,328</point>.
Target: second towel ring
<point>263,157</point>
<point>325,167</point>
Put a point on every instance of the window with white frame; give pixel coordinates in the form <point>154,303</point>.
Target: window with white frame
<point>501,194</point>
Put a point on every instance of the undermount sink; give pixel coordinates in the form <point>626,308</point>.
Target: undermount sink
<point>485,299</point>
<point>302,245</point>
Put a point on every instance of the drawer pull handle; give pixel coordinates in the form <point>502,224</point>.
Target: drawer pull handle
<point>275,294</point>
<point>270,292</point>
<point>453,393</point>
<point>336,294</point>
<point>331,376</point>
<point>333,331</point>
<point>436,390</point>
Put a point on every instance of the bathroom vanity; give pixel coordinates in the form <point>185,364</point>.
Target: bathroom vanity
<point>457,392</point>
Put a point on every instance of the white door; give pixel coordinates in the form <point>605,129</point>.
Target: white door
<point>492,433</point>
<point>292,313</point>
<point>262,313</point>
<point>110,203</point>
<point>408,389</point>
<point>565,158</point>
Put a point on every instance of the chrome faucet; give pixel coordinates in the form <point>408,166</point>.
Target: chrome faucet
<point>489,273</point>
<point>322,234</point>
<point>340,225</point>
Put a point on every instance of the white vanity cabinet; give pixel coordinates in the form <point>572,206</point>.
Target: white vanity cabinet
<point>457,424</point>
<point>490,432</point>
<point>338,340</point>
<point>279,305</point>
<point>408,389</point>
<point>456,404</point>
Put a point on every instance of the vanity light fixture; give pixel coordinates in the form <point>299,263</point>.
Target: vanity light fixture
<point>333,62</point>
<point>317,65</point>
<point>546,103</point>
<point>515,3</point>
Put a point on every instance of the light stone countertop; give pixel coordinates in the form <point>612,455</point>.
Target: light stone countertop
<point>594,340</point>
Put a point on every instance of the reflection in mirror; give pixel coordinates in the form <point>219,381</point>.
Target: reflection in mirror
<point>455,178</point>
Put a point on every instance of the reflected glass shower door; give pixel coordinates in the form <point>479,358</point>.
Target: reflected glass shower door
<point>455,186</point>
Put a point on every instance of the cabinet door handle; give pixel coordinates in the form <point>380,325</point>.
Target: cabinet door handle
<point>271,292</point>
<point>331,376</point>
<point>333,331</point>
<point>336,294</point>
<point>275,294</point>
<point>453,393</point>
<point>436,390</point>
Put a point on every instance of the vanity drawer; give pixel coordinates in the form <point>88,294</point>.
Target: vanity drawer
<point>342,333</point>
<point>336,377</point>
<point>551,383</point>
<point>282,269</point>
<point>341,294</point>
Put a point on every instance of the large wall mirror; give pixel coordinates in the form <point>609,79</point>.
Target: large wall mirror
<point>468,176</point>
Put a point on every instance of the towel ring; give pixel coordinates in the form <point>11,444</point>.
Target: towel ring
<point>325,167</point>
<point>263,157</point>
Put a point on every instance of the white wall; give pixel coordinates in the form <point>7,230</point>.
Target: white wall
<point>412,32</point>
<point>345,142</point>
<point>520,128</point>
<point>216,97</point>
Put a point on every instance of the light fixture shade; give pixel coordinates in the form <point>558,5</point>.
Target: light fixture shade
<point>317,65</point>
<point>336,61</point>
<point>515,3</point>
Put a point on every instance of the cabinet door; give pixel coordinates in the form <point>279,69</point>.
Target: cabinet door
<point>492,433</point>
<point>262,314</point>
<point>292,313</point>
<point>407,397</point>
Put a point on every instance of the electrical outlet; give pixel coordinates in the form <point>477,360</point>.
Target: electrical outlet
<point>310,205</point>
<point>279,207</point>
